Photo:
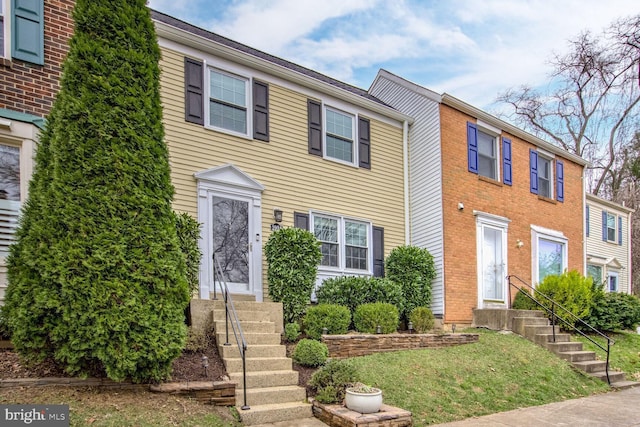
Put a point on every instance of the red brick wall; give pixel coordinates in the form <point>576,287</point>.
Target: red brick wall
<point>514,202</point>
<point>29,88</point>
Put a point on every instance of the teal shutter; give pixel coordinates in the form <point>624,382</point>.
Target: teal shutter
<point>27,25</point>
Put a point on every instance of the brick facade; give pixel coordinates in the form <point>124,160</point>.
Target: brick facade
<point>514,202</point>
<point>29,88</point>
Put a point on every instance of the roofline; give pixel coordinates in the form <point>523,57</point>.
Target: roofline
<point>609,203</point>
<point>401,81</point>
<point>513,130</point>
<point>206,41</point>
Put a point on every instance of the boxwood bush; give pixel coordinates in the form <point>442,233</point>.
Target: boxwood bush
<point>422,319</point>
<point>292,331</point>
<point>368,317</point>
<point>336,318</point>
<point>310,352</point>
<point>413,269</point>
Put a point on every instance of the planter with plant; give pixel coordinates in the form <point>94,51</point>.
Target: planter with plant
<point>363,398</point>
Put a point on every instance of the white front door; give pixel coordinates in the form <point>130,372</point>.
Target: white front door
<point>491,233</point>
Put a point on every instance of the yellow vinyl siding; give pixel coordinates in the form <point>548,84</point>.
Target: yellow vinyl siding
<point>294,180</point>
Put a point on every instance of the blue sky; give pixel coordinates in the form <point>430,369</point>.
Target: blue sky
<point>471,49</point>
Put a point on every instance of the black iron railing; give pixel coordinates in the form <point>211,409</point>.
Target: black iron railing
<point>551,307</point>
<point>231,318</point>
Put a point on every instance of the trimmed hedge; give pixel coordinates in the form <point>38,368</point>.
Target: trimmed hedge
<point>336,318</point>
<point>310,353</point>
<point>422,319</point>
<point>368,317</point>
<point>291,331</point>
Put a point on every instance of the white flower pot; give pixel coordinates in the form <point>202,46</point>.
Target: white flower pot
<point>365,403</point>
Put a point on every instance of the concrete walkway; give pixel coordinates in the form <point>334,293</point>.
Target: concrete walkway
<point>613,409</point>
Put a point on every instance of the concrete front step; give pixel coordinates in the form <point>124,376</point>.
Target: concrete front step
<point>256,350</point>
<point>263,414</point>
<point>543,339</point>
<point>577,356</point>
<point>248,326</point>
<point>563,347</point>
<point>259,364</point>
<point>271,395</point>
<point>591,365</point>
<point>621,385</point>
<point>530,331</point>
<point>251,338</point>
<point>520,322</point>
<point>262,379</point>
<point>614,376</point>
<point>243,315</point>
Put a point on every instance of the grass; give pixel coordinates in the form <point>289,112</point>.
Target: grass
<point>624,354</point>
<point>499,373</point>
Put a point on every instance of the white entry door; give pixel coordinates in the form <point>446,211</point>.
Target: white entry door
<point>492,259</point>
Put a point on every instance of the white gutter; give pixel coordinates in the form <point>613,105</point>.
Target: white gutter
<point>405,160</point>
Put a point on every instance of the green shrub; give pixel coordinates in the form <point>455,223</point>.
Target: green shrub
<point>571,290</point>
<point>368,317</point>
<point>352,291</point>
<point>292,331</point>
<point>310,353</point>
<point>331,380</point>
<point>97,281</point>
<point>336,318</point>
<point>292,256</point>
<point>198,340</point>
<point>523,302</point>
<point>614,311</point>
<point>188,230</point>
<point>422,319</point>
<point>414,270</point>
<point>628,308</point>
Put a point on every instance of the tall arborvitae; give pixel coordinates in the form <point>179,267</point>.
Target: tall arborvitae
<point>96,277</point>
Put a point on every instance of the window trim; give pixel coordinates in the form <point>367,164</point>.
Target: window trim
<point>495,137</point>
<point>342,220</point>
<point>596,265</point>
<point>615,226</point>
<point>248,93</point>
<point>538,233</point>
<point>5,11</point>
<point>551,179</point>
<point>610,274</point>
<point>354,135</point>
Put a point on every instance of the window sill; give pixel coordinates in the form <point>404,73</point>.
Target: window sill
<point>6,62</point>
<point>490,180</point>
<point>547,199</point>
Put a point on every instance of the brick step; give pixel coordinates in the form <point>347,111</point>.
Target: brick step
<point>577,356</point>
<point>273,413</point>
<point>256,350</point>
<point>271,395</point>
<point>259,364</point>
<point>251,338</point>
<point>591,365</point>
<point>262,379</point>
<point>563,347</point>
<point>248,326</point>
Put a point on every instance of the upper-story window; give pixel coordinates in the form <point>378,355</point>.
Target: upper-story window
<point>339,138</point>
<point>611,227</point>
<point>486,154</point>
<point>344,242</point>
<point>546,175</point>
<point>236,104</point>
<point>228,101</point>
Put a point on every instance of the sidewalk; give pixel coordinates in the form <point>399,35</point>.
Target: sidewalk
<point>616,408</point>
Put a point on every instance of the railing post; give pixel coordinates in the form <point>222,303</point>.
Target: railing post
<point>213,257</point>
<point>244,381</point>
<point>553,320</point>
<point>606,368</point>
<point>226,317</point>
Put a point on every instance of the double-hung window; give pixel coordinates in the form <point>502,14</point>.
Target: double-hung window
<point>545,177</point>
<point>487,155</point>
<point>487,150</point>
<point>612,281</point>
<point>344,243</point>
<point>595,272</point>
<point>228,101</point>
<point>611,227</point>
<point>549,252</point>
<point>546,174</point>
<point>340,136</point>
<point>9,194</point>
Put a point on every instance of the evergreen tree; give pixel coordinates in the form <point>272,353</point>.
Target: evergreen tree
<point>96,277</point>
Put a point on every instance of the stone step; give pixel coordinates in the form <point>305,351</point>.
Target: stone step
<point>243,315</point>
<point>259,364</point>
<point>520,322</point>
<point>248,326</point>
<point>591,365</point>
<point>530,331</point>
<point>621,385</point>
<point>256,350</point>
<point>271,395</point>
<point>543,339</point>
<point>563,347</point>
<point>248,305</point>
<point>273,413</point>
<point>614,376</point>
<point>577,356</point>
<point>251,338</point>
<point>262,379</point>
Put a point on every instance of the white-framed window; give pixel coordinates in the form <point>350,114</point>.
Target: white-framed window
<point>595,272</point>
<point>488,154</point>
<point>549,252</point>
<point>10,194</point>
<point>611,227</point>
<point>545,176</point>
<point>339,138</point>
<point>612,281</point>
<point>345,243</point>
<point>228,101</point>
<point>4,28</point>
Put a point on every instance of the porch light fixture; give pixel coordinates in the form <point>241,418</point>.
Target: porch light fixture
<point>205,364</point>
<point>277,215</point>
<point>379,330</point>
<point>325,331</point>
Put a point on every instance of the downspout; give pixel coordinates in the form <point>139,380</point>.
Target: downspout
<point>405,155</point>
<point>584,222</point>
<point>629,265</point>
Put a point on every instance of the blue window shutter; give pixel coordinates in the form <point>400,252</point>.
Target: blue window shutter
<point>604,226</point>
<point>27,26</point>
<point>472,146</point>
<point>533,170</point>
<point>587,221</point>
<point>506,161</point>
<point>559,181</point>
<point>620,230</point>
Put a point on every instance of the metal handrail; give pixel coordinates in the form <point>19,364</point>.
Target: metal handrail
<point>231,317</point>
<point>554,316</point>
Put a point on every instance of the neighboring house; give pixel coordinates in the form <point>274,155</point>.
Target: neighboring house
<point>487,199</point>
<point>608,236</point>
<point>34,39</point>
<point>256,142</point>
